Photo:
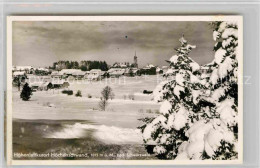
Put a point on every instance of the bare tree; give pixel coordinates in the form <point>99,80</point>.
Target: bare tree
<point>103,104</point>
<point>106,93</point>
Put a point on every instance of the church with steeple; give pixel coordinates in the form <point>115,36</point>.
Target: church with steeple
<point>135,61</point>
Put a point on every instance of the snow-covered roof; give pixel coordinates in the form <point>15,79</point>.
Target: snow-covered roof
<point>158,69</point>
<point>134,70</point>
<point>150,66</point>
<point>43,69</point>
<point>121,64</point>
<point>22,68</point>
<point>116,71</point>
<point>95,74</point>
<point>79,73</point>
<point>39,84</point>
<point>69,71</point>
<point>112,70</point>
<point>87,73</point>
<point>56,73</point>
<point>95,70</point>
<point>38,78</point>
<point>19,73</point>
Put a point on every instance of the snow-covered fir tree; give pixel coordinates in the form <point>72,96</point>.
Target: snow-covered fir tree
<point>177,94</point>
<point>221,122</point>
<point>198,115</point>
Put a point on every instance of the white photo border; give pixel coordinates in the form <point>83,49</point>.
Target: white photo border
<point>9,146</point>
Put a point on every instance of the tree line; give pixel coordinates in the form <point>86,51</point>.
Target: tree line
<point>83,65</point>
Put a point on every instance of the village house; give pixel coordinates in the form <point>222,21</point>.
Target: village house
<point>116,72</point>
<point>57,84</point>
<point>159,70</point>
<point>56,74</point>
<point>121,65</point>
<point>38,82</point>
<point>18,74</point>
<point>69,72</point>
<point>45,78</point>
<point>33,78</point>
<point>150,66</point>
<point>148,70</point>
<point>131,72</point>
<point>26,69</point>
<point>136,71</point>
<point>86,74</point>
<point>79,74</point>
<point>41,71</point>
<point>95,74</point>
<point>34,86</point>
<point>39,86</point>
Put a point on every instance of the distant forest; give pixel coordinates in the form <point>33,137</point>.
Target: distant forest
<point>83,65</point>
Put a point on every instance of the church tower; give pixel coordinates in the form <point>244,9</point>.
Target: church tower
<point>135,61</point>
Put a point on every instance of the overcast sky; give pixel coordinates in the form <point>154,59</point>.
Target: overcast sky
<point>41,43</point>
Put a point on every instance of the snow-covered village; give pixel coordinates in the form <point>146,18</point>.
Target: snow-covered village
<point>64,72</point>
<point>128,99</point>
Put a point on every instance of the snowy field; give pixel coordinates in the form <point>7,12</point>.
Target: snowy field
<point>59,118</point>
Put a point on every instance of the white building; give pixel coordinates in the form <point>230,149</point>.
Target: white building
<point>121,65</point>
<point>79,74</point>
<point>131,72</point>
<point>158,70</point>
<point>19,74</point>
<point>150,66</point>
<point>116,72</point>
<point>95,74</point>
<point>39,86</point>
<point>56,74</point>
<point>43,69</point>
<point>69,72</point>
<point>26,69</point>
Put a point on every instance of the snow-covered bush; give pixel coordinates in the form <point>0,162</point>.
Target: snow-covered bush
<point>198,115</point>
<point>78,94</point>
<point>68,92</point>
